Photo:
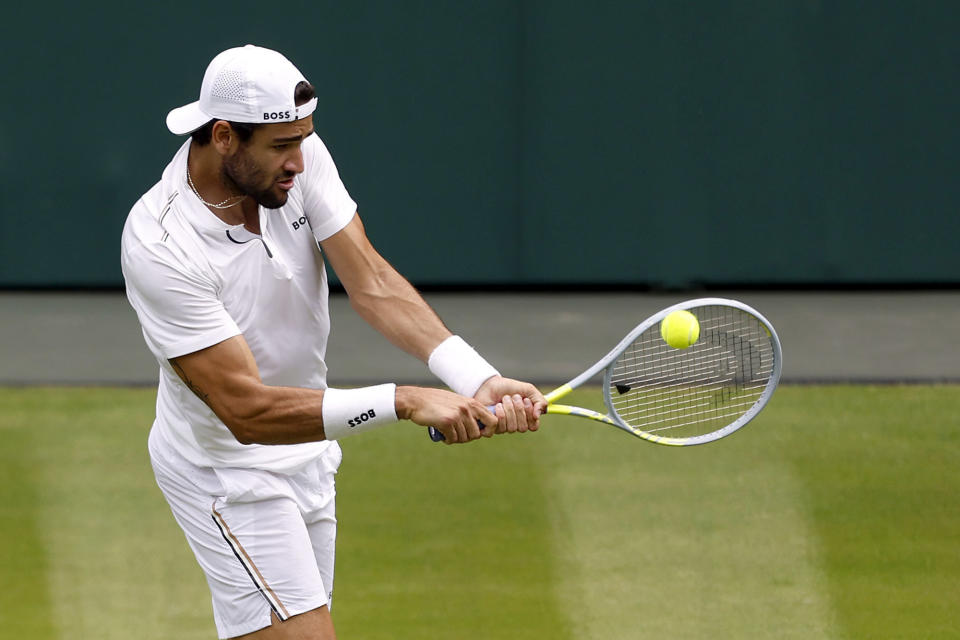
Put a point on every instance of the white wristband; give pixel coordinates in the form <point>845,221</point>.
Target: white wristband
<point>347,411</point>
<point>459,366</point>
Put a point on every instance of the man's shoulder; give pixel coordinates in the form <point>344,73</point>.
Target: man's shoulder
<point>149,202</point>
<point>152,240</point>
<point>315,151</point>
<point>313,142</point>
<point>143,221</point>
<point>146,214</point>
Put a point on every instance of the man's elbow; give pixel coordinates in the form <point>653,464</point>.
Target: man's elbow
<point>245,436</point>
<point>243,422</point>
<point>243,430</point>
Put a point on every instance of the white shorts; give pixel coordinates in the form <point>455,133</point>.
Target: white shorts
<point>264,540</point>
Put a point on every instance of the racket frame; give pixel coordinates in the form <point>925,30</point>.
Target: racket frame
<point>606,363</point>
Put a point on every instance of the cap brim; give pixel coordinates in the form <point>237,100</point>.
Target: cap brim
<point>186,119</point>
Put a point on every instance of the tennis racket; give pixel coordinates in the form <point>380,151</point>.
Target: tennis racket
<point>682,397</point>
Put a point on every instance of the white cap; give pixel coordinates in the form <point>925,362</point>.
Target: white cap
<point>245,84</point>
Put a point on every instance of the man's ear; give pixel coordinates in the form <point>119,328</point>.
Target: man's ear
<point>223,137</point>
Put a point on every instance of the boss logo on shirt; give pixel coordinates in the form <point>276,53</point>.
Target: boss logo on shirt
<point>299,223</point>
<point>276,115</point>
<point>356,421</point>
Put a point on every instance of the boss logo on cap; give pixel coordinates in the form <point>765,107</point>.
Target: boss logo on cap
<point>276,115</point>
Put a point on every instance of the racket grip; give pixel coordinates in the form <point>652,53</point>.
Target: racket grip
<point>436,436</point>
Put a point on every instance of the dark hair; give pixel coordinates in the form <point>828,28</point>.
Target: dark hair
<point>302,93</point>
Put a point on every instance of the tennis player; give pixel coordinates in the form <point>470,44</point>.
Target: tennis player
<point>224,264</point>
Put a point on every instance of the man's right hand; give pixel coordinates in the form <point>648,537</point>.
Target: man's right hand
<point>455,416</point>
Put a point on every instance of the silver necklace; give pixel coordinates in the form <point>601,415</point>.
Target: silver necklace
<point>222,205</point>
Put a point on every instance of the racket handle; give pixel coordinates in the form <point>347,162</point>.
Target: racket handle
<point>436,436</point>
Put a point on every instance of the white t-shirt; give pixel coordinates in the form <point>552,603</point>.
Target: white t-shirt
<point>195,281</point>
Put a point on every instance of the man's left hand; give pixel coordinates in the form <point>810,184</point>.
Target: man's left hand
<point>518,405</point>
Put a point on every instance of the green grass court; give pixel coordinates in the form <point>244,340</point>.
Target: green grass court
<point>833,515</point>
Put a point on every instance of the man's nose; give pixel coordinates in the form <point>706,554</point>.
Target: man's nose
<point>294,162</point>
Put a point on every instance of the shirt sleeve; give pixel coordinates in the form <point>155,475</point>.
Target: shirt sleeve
<point>326,203</point>
<point>179,310</point>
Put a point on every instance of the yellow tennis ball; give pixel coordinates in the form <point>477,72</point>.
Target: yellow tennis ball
<point>680,329</point>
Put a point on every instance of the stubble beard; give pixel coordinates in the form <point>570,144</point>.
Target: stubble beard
<point>241,175</point>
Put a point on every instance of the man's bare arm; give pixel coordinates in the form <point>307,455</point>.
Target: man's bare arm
<point>197,391</point>
<point>392,306</point>
<point>226,378</point>
<point>380,295</point>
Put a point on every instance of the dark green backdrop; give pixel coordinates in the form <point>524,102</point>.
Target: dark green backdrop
<point>646,143</point>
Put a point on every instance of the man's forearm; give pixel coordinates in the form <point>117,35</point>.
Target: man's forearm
<point>392,306</point>
<point>274,415</point>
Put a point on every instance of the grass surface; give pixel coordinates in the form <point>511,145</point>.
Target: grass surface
<point>833,515</point>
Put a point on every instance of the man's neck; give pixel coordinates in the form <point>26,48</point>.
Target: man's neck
<point>203,170</point>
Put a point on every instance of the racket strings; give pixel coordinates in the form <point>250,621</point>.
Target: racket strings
<point>698,390</point>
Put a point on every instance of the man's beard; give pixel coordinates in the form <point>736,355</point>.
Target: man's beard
<point>241,175</point>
